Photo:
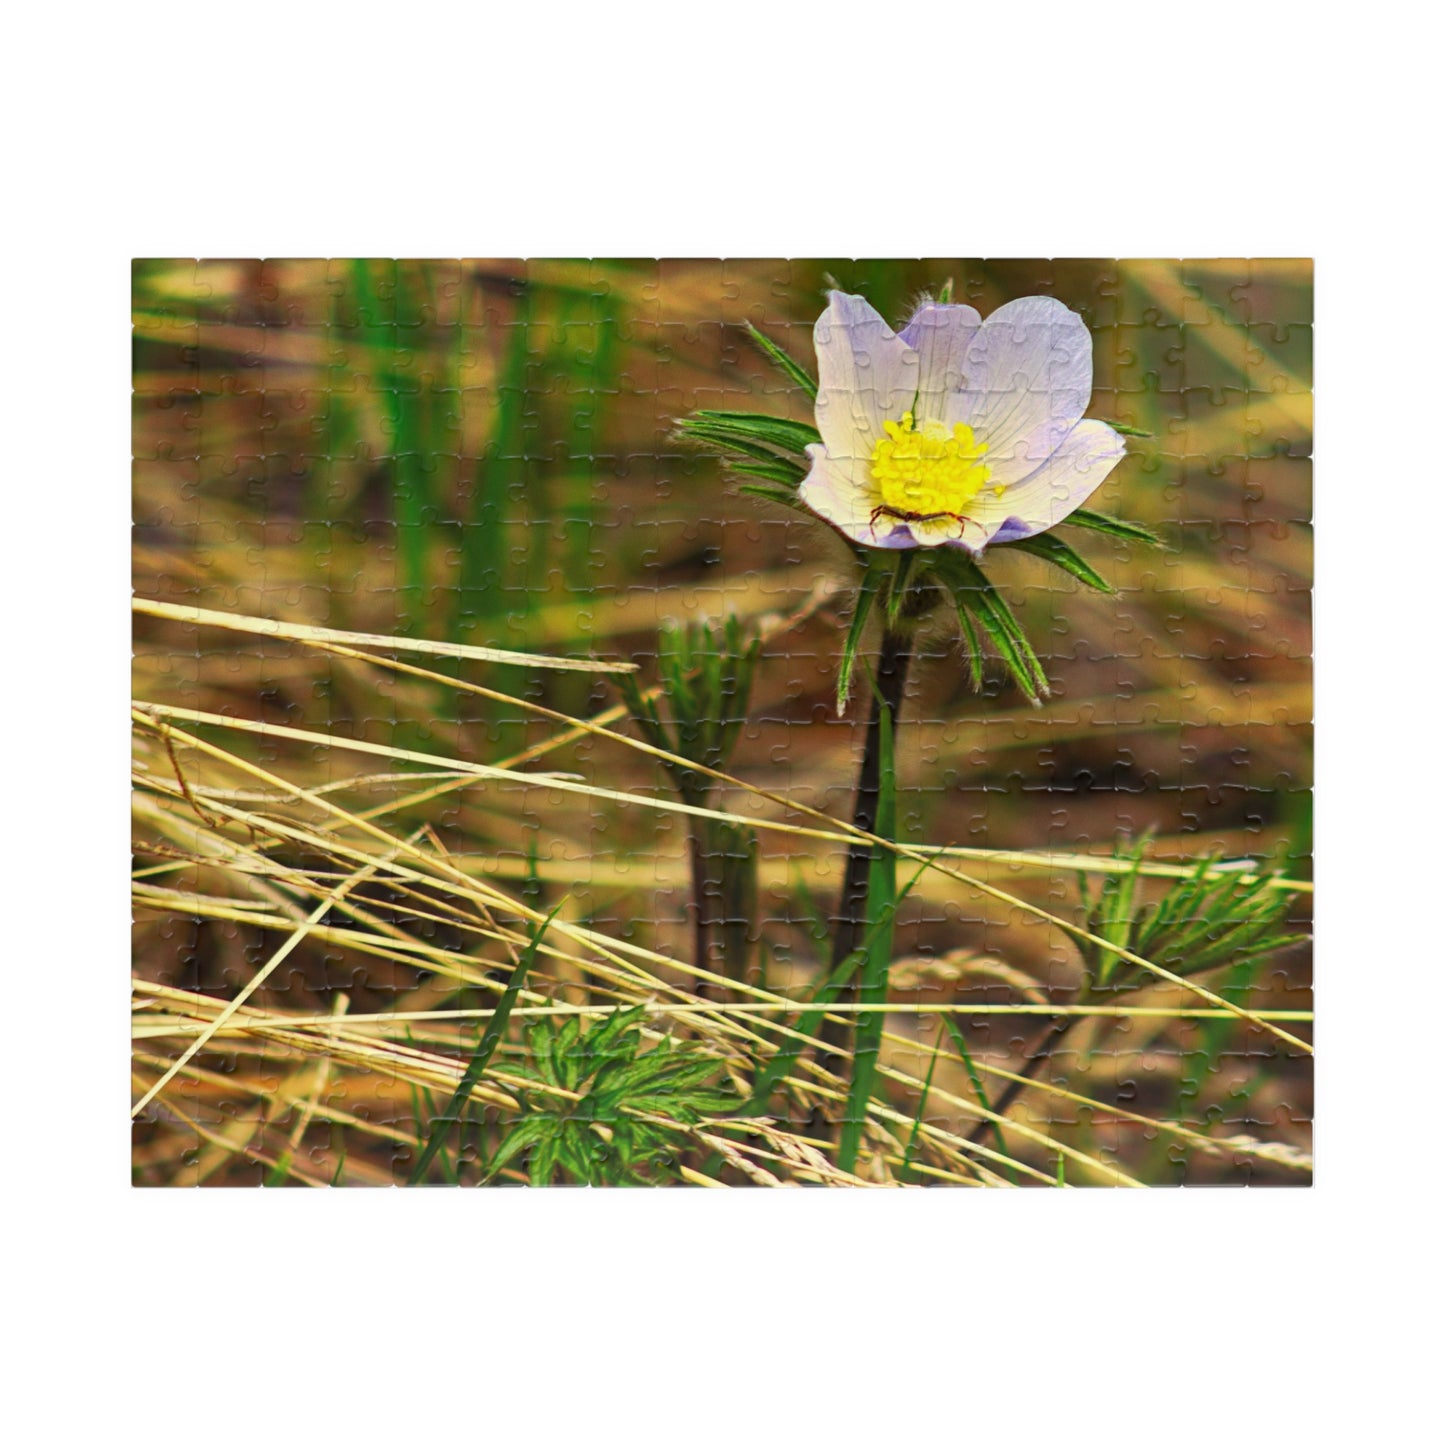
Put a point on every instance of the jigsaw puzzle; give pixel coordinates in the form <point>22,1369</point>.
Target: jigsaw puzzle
<point>830,723</point>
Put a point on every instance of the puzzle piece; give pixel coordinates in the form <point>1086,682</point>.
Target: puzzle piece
<point>406,905</point>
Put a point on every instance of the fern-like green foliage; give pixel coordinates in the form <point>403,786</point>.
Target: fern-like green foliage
<point>1203,921</point>
<point>770,454</point>
<point>706,670</point>
<point>623,1129</point>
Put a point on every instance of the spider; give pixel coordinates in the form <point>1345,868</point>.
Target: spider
<point>903,516</point>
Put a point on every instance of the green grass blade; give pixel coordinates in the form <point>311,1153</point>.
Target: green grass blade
<point>978,1090</point>
<point>410,486</point>
<point>483,595</point>
<point>905,1169</point>
<point>483,1056</point>
<point>877,952</point>
<point>792,1047</point>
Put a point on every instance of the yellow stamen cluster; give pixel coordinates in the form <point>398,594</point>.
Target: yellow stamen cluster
<point>923,473</point>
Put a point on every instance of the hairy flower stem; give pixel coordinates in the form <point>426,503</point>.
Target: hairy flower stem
<point>852,917</point>
<point>723,863</point>
<point>698,859</point>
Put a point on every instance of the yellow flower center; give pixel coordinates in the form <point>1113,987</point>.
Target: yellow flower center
<point>927,473</point>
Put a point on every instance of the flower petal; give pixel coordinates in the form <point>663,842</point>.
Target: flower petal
<point>940,335</point>
<point>1045,497</point>
<point>866,376</point>
<point>842,492</point>
<point>1030,372</point>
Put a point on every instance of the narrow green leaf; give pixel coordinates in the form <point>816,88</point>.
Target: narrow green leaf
<point>485,1049</point>
<point>972,588</point>
<point>777,431</point>
<point>867,595</point>
<point>782,498</point>
<point>1111,526</point>
<point>972,647</point>
<point>543,1163</point>
<point>905,1169</point>
<point>1002,630</point>
<point>782,360</point>
<point>622,1022</point>
<point>730,440</point>
<point>786,474</point>
<point>1052,549</point>
<point>978,1090</point>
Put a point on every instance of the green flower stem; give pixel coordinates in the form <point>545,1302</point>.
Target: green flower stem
<point>852,916</point>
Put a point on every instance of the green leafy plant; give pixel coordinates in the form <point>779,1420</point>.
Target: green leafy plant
<point>1207,920</point>
<point>706,674</point>
<point>623,1126</point>
<point>1203,921</point>
<point>477,1066</point>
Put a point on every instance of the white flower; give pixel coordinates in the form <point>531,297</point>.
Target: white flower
<point>956,430</point>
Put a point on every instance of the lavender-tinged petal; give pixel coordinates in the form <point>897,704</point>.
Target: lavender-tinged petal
<point>1060,486</point>
<point>866,376</point>
<point>1030,373</point>
<point>941,336</point>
